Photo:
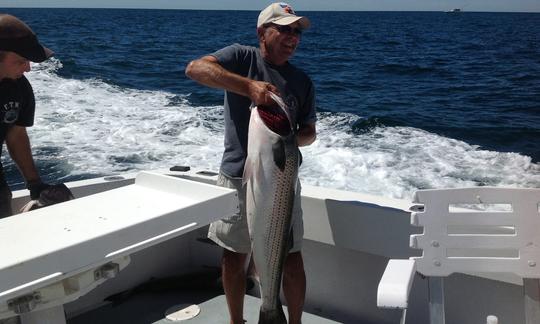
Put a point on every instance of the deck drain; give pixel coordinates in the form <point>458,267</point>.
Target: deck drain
<point>182,312</point>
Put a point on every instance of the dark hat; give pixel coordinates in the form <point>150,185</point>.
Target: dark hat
<point>16,36</point>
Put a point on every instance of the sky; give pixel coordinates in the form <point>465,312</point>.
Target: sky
<point>298,5</point>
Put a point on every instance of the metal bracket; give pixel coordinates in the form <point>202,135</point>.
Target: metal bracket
<point>24,304</point>
<point>107,271</point>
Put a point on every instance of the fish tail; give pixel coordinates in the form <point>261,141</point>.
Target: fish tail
<point>274,316</point>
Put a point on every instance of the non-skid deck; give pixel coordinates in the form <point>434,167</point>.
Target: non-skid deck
<point>215,311</point>
<point>150,308</point>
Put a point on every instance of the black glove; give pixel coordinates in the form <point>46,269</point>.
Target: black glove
<point>36,187</point>
<point>55,194</point>
<point>46,195</point>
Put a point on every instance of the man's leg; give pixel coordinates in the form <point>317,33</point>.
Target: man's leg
<point>234,283</point>
<point>5,200</point>
<point>294,286</point>
<point>232,234</point>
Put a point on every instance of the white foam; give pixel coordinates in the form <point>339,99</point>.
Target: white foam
<point>103,129</point>
<point>396,161</point>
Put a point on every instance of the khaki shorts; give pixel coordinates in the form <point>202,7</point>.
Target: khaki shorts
<point>232,233</point>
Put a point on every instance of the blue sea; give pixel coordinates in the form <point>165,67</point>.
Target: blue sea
<point>405,100</point>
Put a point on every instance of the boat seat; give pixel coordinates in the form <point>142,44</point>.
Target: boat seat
<point>469,230</point>
<point>54,255</point>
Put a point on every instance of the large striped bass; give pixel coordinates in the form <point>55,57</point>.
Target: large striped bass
<point>271,174</point>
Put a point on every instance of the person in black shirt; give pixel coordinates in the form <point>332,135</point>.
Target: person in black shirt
<point>18,46</point>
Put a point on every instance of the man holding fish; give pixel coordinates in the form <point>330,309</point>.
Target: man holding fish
<point>273,101</point>
<point>18,47</point>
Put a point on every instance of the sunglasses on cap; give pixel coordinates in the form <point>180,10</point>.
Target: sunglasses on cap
<point>285,29</point>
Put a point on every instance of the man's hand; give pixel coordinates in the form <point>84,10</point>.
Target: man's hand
<point>306,135</point>
<point>259,93</point>
<point>36,187</point>
<point>48,195</point>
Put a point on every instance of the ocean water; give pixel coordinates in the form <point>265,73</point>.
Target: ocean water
<point>405,100</point>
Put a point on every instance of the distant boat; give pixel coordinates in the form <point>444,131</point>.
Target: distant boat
<point>455,10</point>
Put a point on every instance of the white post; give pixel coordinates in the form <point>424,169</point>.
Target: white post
<point>403,316</point>
<point>531,290</point>
<point>436,300</point>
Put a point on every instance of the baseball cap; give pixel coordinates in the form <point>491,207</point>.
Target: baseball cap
<point>281,13</point>
<point>16,36</point>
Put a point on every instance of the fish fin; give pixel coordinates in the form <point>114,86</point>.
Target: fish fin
<point>274,316</point>
<point>278,150</point>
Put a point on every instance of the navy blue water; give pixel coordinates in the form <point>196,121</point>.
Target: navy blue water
<point>472,77</point>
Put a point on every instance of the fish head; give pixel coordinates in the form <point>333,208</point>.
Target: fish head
<point>277,116</point>
<point>275,119</point>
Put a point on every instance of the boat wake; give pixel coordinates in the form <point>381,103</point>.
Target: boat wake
<point>87,128</point>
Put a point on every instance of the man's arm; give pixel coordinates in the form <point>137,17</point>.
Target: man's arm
<point>306,134</point>
<point>209,72</point>
<point>18,146</point>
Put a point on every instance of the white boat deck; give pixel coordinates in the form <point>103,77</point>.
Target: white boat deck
<point>150,308</point>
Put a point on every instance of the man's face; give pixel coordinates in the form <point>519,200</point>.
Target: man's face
<point>281,41</point>
<point>13,66</point>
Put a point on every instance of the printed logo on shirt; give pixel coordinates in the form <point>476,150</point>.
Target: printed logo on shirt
<point>292,104</point>
<point>10,111</point>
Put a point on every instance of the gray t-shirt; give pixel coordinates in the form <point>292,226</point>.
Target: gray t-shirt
<point>295,87</point>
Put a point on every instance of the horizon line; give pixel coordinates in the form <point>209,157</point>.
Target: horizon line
<point>205,9</point>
